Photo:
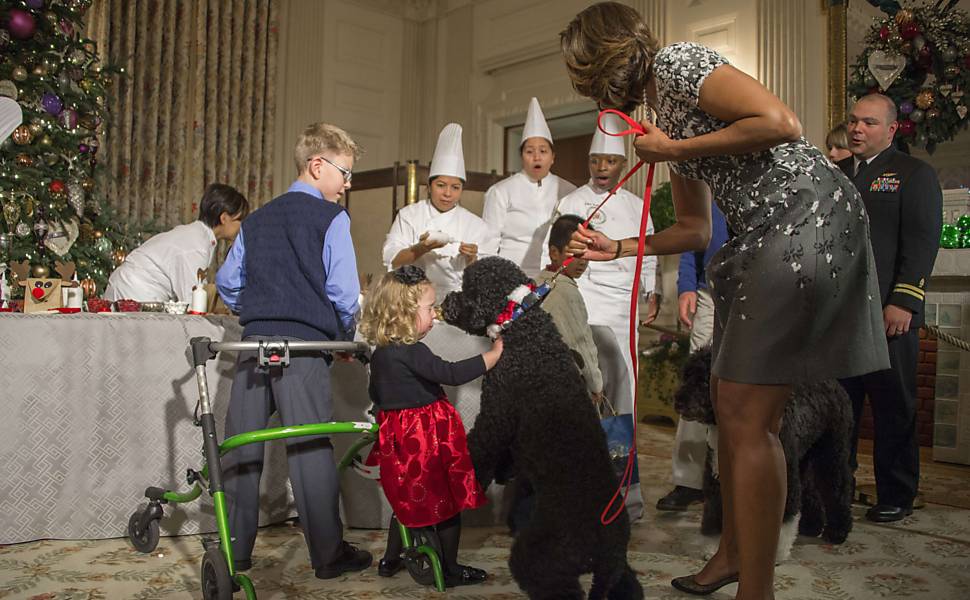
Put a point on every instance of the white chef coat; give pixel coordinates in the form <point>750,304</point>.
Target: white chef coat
<point>521,210</point>
<point>606,285</point>
<point>443,266</point>
<point>165,267</point>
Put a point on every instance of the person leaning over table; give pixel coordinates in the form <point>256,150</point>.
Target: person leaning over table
<point>166,266</point>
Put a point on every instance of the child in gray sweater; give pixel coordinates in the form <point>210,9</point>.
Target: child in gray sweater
<point>566,306</point>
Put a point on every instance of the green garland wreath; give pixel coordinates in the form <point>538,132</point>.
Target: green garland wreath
<point>920,57</point>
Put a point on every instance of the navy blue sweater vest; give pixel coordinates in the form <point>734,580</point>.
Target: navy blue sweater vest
<point>285,287</point>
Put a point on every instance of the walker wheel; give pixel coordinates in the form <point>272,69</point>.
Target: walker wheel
<point>418,564</point>
<point>144,540</point>
<point>216,581</point>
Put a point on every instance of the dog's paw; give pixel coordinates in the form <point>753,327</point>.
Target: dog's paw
<point>834,537</point>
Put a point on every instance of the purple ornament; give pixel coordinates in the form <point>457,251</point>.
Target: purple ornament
<point>68,118</point>
<point>906,107</point>
<point>51,103</point>
<point>83,148</point>
<point>21,24</point>
<point>35,4</point>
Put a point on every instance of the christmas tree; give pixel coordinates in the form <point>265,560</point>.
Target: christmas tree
<point>49,171</point>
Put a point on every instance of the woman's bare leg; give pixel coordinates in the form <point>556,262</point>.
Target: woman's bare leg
<point>749,419</point>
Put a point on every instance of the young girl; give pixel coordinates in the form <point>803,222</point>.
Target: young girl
<point>426,471</point>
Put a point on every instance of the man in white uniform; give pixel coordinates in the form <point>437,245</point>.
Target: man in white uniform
<point>166,266</point>
<point>522,207</point>
<point>438,234</point>
<point>606,286</point>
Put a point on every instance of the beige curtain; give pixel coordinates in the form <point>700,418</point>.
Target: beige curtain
<point>196,105</point>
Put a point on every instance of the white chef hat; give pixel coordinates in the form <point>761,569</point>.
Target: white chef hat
<point>608,144</point>
<point>448,157</point>
<point>535,124</point>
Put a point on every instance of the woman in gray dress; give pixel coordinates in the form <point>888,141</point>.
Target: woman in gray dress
<point>795,291</point>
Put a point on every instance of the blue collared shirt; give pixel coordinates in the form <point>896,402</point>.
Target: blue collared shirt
<point>339,263</point>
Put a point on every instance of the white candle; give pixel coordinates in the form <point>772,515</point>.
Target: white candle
<point>200,300</point>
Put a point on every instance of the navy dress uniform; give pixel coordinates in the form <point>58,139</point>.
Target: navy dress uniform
<point>905,205</point>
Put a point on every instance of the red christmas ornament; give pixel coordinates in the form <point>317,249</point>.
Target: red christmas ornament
<point>57,186</point>
<point>909,30</point>
<point>907,127</point>
<point>884,33</point>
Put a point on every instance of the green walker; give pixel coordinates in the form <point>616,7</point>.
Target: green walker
<point>219,577</point>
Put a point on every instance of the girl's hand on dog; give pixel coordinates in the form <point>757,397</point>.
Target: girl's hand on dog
<point>591,245</point>
<point>491,357</point>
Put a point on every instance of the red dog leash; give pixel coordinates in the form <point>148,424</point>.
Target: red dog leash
<point>635,128</point>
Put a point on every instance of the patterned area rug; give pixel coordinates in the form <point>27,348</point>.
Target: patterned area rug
<point>926,556</point>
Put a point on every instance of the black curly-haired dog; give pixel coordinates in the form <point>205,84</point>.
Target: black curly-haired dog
<point>536,414</point>
<point>815,433</point>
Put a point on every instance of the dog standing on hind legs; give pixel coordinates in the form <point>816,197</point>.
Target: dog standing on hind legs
<point>815,435</point>
<point>536,415</point>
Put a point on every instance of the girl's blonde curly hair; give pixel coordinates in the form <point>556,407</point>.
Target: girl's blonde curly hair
<point>391,307</point>
<point>608,51</point>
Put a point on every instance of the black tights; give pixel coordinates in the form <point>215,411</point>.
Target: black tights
<point>449,533</point>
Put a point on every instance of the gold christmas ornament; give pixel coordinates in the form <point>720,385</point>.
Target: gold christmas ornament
<point>933,113</point>
<point>87,184</point>
<point>88,121</point>
<point>25,160</point>
<point>40,70</point>
<point>46,141</point>
<point>40,271</point>
<point>903,17</point>
<point>98,234</point>
<point>86,85</point>
<point>118,256</point>
<point>22,135</point>
<point>35,128</point>
<point>89,287</point>
<point>18,73</point>
<point>925,99</point>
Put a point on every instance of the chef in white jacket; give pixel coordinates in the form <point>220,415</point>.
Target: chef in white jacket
<point>606,286</point>
<point>166,266</point>
<point>438,234</point>
<point>522,207</point>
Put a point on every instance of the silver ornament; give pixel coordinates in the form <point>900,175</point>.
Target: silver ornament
<point>917,115</point>
<point>75,197</point>
<point>8,89</point>
<point>23,230</point>
<point>41,228</point>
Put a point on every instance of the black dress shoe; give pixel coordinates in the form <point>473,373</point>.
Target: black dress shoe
<point>389,567</point>
<point>884,513</point>
<point>688,584</point>
<point>465,576</point>
<point>680,498</point>
<point>350,559</point>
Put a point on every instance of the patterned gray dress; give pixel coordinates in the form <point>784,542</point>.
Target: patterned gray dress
<point>795,290</point>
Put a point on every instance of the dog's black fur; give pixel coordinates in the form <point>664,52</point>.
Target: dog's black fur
<point>536,415</point>
<point>815,434</point>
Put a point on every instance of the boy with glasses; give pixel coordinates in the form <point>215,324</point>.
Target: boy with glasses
<point>292,274</point>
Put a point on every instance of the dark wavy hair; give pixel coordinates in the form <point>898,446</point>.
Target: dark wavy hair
<point>608,51</point>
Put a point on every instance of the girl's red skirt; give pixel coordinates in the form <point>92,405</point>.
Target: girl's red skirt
<point>426,471</point>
